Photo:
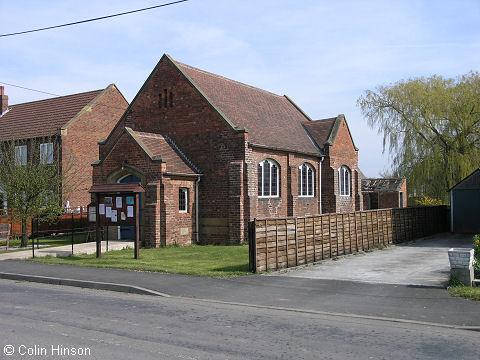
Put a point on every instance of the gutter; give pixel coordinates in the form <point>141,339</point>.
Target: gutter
<point>197,226</point>
<point>180,174</point>
<point>319,155</point>
<point>320,162</point>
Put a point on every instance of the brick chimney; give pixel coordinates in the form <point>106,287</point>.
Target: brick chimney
<point>3,100</point>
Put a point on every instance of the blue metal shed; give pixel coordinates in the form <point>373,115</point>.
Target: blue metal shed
<point>465,205</point>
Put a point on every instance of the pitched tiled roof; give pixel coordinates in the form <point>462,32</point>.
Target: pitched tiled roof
<point>44,117</point>
<point>158,147</point>
<point>382,185</point>
<point>271,120</point>
<point>471,182</point>
<point>320,130</point>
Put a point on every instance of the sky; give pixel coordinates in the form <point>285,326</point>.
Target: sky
<point>322,54</point>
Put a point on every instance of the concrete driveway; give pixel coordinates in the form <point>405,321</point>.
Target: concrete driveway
<point>420,262</point>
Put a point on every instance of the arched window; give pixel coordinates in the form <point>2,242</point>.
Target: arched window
<point>268,179</point>
<point>344,181</point>
<point>306,180</point>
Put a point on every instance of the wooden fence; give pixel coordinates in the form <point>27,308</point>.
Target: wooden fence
<point>16,224</point>
<point>64,223</point>
<point>287,242</point>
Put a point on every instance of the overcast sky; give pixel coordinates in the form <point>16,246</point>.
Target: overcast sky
<point>322,54</point>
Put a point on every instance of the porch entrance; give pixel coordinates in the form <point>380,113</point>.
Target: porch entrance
<point>117,205</point>
<point>128,232</point>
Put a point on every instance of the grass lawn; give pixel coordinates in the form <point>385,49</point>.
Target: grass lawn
<point>46,242</point>
<point>206,260</point>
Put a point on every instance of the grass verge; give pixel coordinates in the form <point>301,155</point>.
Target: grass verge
<point>46,242</point>
<point>456,288</point>
<point>205,260</point>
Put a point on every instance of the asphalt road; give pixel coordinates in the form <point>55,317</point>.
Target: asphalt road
<point>106,325</point>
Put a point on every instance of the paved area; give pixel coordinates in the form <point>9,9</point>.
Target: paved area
<point>421,262</point>
<point>62,251</point>
<point>404,302</point>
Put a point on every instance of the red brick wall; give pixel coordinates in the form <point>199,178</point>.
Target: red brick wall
<point>80,143</point>
<point>199,132</point>
<point>392,199</point>
<point>228,188</point>
<point>342,152</point>
<point>288,203</point>
<point>179,228</point>
<point>162,223</point>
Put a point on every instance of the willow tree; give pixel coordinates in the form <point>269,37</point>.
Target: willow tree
<point>431,127</point>
<point>31,181</point>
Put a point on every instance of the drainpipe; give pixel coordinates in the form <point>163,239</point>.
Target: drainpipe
<point>197,183</point>
<point>320,186</point>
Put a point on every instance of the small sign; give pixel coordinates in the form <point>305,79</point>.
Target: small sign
<point>108,212</point>
<point>118,202</point>
<point>130,211</point>
<point>114,216</point>
<point>108,201</point>
<point>92,213</point>
<point>130,200</point>
<point>123,216</point>
<point>101,209</point>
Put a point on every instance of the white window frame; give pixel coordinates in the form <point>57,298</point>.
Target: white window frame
<point>21,154</point>
<point>344,181</point>
<point>46,153</point>
<point>185,200</point>
<point>304,189</point>
<point>261,184</point>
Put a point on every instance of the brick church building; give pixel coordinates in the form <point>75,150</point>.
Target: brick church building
<point>213,153</point>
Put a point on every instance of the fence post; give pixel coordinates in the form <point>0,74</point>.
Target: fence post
<point>305,236</point>
<point>296,244</point>
<point>286,240</point>
<point>314,241</point>
<point>321,233</point>
<point>252,246</point>
<point>356,232</point>
<point>276,244</point>
<point>36,234</point>
<point>73,229</point>
<point>330,234</point>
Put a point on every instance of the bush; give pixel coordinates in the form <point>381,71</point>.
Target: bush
<point>476,261</point>
<point>427,201</point>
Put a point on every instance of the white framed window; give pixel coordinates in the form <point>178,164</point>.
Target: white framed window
<point>183,200</point>
<point>268,179</point>
<point>46,153</point>
<point>21,154</point>
<point>306,180</point>
<point>344,181</point>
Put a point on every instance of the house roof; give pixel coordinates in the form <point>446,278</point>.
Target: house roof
<point>44,117</point>
<point>320,130</point>
<point>325,131</point>
<point>382,184</point>
<point>471,182</point>
<point>162,148</point>
<point>271,120</point>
